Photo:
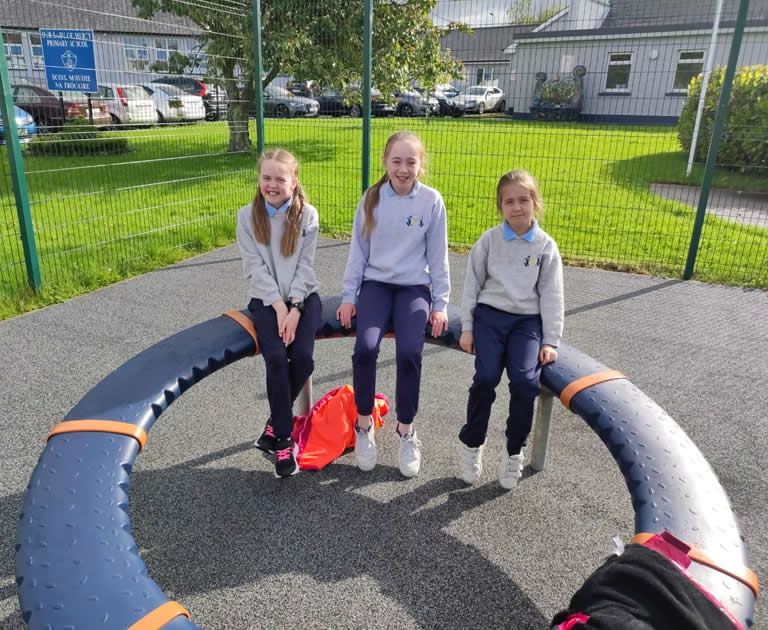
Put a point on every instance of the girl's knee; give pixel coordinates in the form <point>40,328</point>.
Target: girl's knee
<point>304,360</point>
<point>275,357</point>
<point>525,387</point>
<point>485,382</point>
<point>365,355</point>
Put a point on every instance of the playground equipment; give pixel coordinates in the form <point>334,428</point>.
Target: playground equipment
<point>77,565</point>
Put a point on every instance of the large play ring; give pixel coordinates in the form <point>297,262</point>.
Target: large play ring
<point>78,566</point>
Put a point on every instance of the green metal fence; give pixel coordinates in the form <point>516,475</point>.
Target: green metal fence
<point>585,95</point>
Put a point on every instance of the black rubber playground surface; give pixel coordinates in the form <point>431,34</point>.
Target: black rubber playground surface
<point>343,549</point>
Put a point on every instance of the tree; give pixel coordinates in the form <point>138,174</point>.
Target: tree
<point>522,12</point>
<point>311,39</point>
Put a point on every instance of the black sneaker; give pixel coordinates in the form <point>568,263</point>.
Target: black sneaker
<point>285,462</point>
<point>267,440</point>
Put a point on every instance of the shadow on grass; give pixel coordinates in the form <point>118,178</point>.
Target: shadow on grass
<point>669,167</point>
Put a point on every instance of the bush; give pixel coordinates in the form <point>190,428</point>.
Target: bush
<point>744,144</point>
<point>78,137</point>
<point>558,92</point>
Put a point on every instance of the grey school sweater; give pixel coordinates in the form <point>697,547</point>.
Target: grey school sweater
<point>409,245</point>
<point>518,277</point>
<point>273,276</point>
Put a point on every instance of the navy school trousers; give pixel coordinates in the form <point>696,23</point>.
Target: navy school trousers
<point>407,307</point>
<point>287,368</point>
<point>503,340</point>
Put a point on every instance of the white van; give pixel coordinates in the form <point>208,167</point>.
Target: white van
<point>128,103</point>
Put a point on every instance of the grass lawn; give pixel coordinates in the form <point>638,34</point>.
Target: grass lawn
<point>102,218</point>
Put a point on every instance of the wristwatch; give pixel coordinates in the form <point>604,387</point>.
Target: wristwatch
<point>298,305</point>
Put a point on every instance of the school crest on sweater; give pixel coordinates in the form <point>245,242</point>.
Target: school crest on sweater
<point>414,221</point>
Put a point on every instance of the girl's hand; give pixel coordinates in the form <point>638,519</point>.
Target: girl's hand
<point>467,341</point>
<point>281,310</point>
<point>288,327</point>
<point>439,322</point>
<point>548,354</point>
<point>345,313</point>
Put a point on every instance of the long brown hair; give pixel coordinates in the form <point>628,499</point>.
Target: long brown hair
<point>373,194</point>
<point>260,216</point>
<point>527,181</point>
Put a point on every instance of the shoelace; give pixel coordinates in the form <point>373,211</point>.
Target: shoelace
<point>285,453</point>
<point>411,441</point>
<point>269,431</point>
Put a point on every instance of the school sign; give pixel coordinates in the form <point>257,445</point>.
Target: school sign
<point>69,60</point>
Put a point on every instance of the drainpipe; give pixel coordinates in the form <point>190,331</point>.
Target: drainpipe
<point>704,83</point>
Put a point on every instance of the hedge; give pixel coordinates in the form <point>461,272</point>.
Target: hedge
<point>744,144</point>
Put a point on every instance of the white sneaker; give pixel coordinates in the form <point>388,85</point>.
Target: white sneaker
<point>365,448</point>
<point>471,462</point>
<point>409,456</point>
<point>510,470</point>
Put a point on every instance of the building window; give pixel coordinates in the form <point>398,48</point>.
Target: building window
<point>617,77</point>
<point>136,53</point>
<point>689,65</point>
<point>487,76</point>
<point>163,49</point>
<point>14,51</point>
<point>38,63</point>
<point>200,65</point>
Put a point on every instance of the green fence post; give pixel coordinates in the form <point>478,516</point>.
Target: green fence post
<point>258,71</point>
<point>18,178</point>
<point>717,132</point>
<point>367,53</point>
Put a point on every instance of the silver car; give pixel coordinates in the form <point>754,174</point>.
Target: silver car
<point>174,104</point>
<point>479,99</point>
<point>281,103</point>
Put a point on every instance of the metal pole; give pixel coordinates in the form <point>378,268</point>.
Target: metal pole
<point>541,429</point>
<point>704,84</point>
<point>304,398</point>
<point>258,71</point>
<point>367,54</point>
<point>717,131</point>
<point>18,178</point>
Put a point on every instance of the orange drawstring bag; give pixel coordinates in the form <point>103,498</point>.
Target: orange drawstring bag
<point>329,427</point>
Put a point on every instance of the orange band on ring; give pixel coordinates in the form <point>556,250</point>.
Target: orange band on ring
<point>101,426</point>
<point>160,616</point>
<point>246,323</point>
<point>742,574</point>
<point>584,382</point>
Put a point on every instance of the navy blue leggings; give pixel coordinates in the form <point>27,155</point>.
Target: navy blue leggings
<point>407,307</point>
<point>503,340</point>
<point>287,368</point>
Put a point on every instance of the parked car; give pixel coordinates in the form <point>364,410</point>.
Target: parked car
<point>174,104</point>
<point>410,103</point>
<point>480,99</point>
<point>445,94</point>
<point>214,97</point>
<point>51,109</point>
<point>281,103</point>
<point>333,103</point>
<point>43,105</point>
<point>25,123</point>
<point>128,103</point>
<point>303,88</point>
<point>88,106</point>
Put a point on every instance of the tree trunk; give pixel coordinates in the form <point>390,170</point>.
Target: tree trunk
<point>237,119</point>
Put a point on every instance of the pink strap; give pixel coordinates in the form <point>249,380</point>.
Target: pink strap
<point>573,620</point>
